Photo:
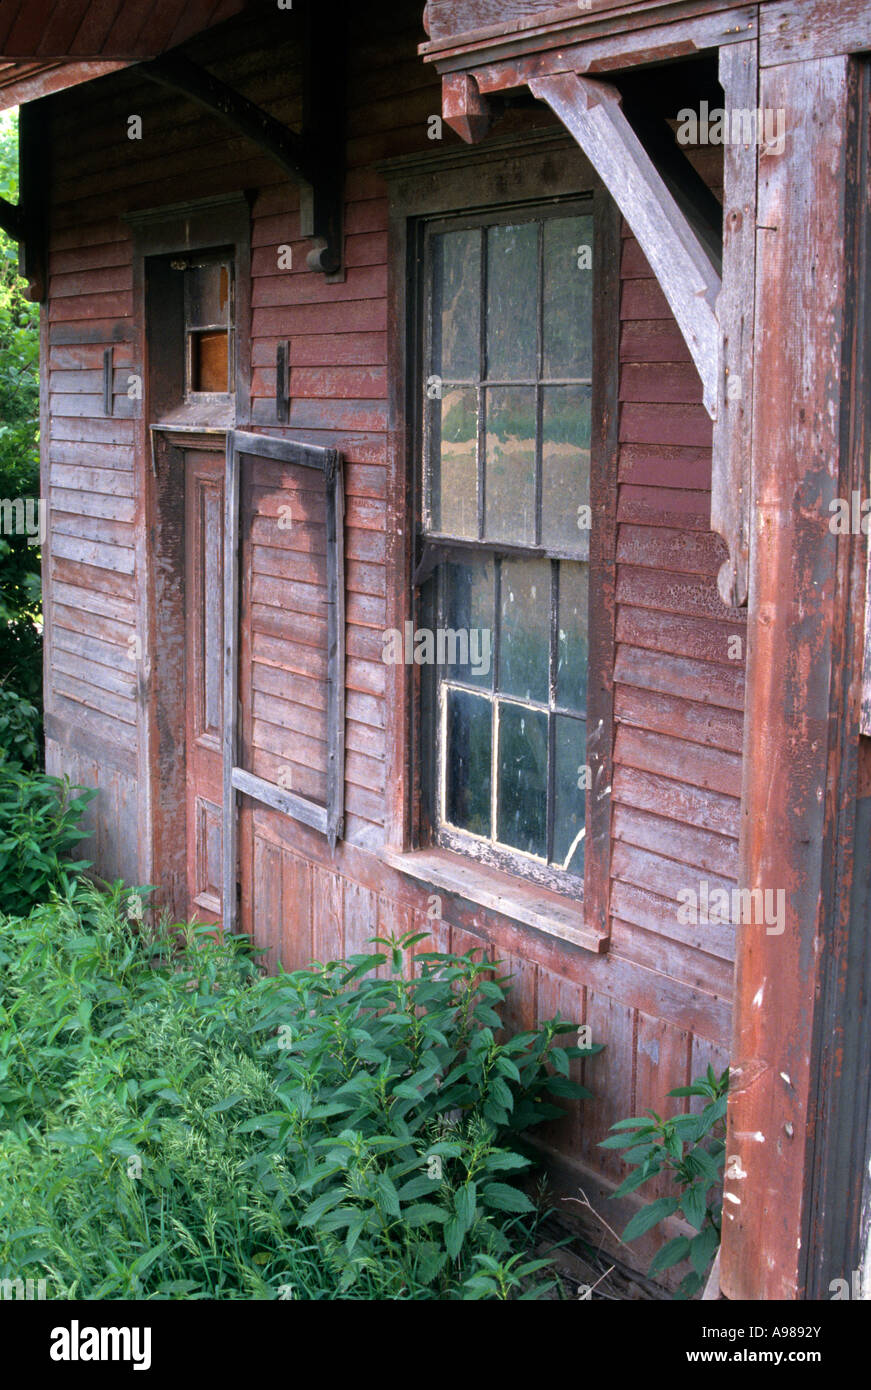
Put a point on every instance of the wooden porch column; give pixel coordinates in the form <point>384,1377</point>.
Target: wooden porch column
<point>796,1082</point>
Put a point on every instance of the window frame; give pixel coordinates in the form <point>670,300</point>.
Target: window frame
<point>543,166</point>
<point>437,831</point>
<point>198,260</point>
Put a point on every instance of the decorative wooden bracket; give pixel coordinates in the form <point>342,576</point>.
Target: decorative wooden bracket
<point>591,112</point>
<point>315,159</point>
<point>464,108</point>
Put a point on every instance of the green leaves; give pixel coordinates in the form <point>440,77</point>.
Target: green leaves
<point>650,1216</point>
<point>176,1126</point>
<point>504,1198</point>
<point>692,1149</point>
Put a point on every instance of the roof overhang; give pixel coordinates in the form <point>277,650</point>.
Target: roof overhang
<point>45,47</point>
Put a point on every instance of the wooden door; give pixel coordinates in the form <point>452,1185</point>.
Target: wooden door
<point>204,620</point>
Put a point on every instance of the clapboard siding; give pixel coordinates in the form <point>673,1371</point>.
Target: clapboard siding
<point>679,671</point>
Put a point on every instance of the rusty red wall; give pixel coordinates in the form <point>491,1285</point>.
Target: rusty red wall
<point>660,998</point>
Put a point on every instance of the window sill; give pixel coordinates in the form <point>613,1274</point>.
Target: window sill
<point>527,904</point>
<point>211,415</point>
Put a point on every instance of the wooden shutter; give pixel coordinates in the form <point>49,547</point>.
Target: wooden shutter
<point>285,620</point>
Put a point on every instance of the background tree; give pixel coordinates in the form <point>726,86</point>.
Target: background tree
<point>20,589</point>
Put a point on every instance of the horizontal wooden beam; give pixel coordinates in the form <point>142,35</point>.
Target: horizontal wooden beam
<point>591,111</point>
<point>299,807</point>
<point>281,144</point>
<point>11,219</point>
<point>590,41</point>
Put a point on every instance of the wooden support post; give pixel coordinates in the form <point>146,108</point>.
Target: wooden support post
<point>690,283</point>
<point>33,183</point>
<point>733,427</point>
<point>796,1089</point>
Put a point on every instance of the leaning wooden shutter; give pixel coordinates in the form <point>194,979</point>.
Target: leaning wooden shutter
<point>284,519</point>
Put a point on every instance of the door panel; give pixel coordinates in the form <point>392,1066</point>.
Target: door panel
<point>204,617</point>
<point>283,649</point>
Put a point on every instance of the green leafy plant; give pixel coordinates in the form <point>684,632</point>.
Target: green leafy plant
<point>173,1124</point>
<point>692,1149</point>
<point>19,730</point>
<point>39,824</point>
<point>428,1104</point>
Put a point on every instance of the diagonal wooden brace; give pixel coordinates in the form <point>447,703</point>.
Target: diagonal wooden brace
<point>591,111</point>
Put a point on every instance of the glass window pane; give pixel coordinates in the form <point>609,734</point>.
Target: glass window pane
<point>565,468</point>
<point>512,302</point>
<point>522,779</point>
<point>456,305</point>
<point>470,592</point>
<point>524,646</point>
<point>573,637</point>
<point>510,476</point>
<point>568,296</point>
<point>454,481</point>
<point>468,745</point>
<point>207,295</point>
<point>570,790</point>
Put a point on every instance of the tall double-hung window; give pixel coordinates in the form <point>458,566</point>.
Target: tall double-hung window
<point>505,523</point>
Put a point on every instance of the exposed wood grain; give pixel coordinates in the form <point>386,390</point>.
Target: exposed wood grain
<point>591,111</point>
<point>733,437</point>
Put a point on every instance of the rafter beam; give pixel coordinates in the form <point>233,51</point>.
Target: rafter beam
<point>283,145</point>
<point>11,219</point>
<point>591,111</point>
<point>304,157</point>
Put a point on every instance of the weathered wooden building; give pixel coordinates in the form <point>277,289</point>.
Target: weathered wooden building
<point>361,335</point>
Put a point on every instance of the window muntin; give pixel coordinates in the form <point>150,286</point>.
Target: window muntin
<point>506,473</point>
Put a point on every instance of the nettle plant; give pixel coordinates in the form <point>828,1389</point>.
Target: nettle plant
<point>174,1124</point>
<point>692,1148</point>
<point>400,1116</point>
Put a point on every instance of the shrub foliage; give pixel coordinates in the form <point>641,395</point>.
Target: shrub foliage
<point>173,1124</point>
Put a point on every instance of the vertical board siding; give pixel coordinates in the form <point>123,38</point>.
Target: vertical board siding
<point>660,998</point>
